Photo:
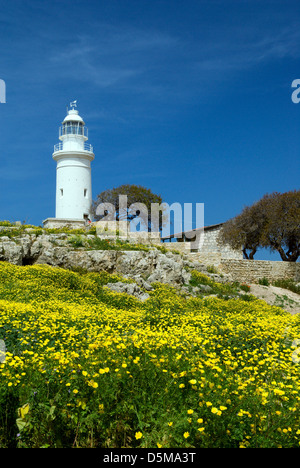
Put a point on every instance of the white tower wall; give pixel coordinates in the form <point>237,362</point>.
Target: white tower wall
<point>73,188</point>
<point>73,173</point>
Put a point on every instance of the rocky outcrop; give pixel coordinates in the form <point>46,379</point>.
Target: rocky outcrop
<point>129,288</point>
<point>142,267</point>
<point>145,267</point>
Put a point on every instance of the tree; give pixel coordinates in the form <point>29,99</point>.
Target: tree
<point>281,231</point>
<point>128,202</point>
<point>243,231</point>
<point>273,222</point>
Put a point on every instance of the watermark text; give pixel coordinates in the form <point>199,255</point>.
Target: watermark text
<point>2,351</point>
<point>175,220</point>
<point>2,92</point>
<point>296,93</point>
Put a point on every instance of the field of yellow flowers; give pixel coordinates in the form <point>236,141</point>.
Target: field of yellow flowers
<point>86,367</point>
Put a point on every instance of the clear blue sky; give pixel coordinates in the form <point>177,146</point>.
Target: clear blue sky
<point>189,98</point>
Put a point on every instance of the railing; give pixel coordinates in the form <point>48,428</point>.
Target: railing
<point>86,147</point>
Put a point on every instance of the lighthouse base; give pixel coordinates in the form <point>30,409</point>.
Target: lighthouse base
<point>57,223</point>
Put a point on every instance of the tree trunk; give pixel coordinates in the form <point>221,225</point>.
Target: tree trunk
<point>245,254</point>
<point>252,253</point>
<point>289,256</point>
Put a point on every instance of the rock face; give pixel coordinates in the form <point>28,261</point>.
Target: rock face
<point>145,267</point>
<point>132,288</point>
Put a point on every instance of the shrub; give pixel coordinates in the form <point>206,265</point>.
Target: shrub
<point>245,287</point>
<point>76,241</point>
<point>211,269</point>
<point>264,281</point>
<point>287,284</point>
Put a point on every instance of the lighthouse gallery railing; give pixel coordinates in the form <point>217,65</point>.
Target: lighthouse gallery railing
<point>86,147</point>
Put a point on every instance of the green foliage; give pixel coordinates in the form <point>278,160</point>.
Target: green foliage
<point>6,223</point>
<point>76,241</point>
<point>99,243</point>
<point>224,290</point>
<point>245,287</point>
<point>200,278</point>
<point>287,284</point>
<point>264,281</point>
<point>140,204</point>
<point>211,269</point>
<point>273,222</point>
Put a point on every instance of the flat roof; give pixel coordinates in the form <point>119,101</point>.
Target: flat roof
<point>190,233</point>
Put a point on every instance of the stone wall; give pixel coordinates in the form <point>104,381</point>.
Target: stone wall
<point>207,258</point>
<point>182,247</point>
<point>212,244</point>
<point>151,238</point>
<point>250,271</point>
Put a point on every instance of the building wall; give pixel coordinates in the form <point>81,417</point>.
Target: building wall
<point>58,223</point>
<point>212,244</point>
<point>210,251</point>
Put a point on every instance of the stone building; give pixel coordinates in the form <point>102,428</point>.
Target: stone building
<point>205,242</point>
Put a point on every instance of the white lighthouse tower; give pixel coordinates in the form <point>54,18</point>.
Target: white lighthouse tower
<point>73,156</point>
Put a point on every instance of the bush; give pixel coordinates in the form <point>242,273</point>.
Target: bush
<point>245,287</point>
<point>264,281</point>
<point>287,284</point>
<point>76,241</point>
<point>211,269</point>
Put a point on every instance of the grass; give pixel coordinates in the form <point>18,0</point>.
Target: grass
<point>107,244</point>
<point>287,284</point>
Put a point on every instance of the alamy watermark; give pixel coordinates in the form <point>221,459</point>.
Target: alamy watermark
<point>114,221</point>
<point>2,92</point>
<point>2,351</point>
<point>296,94</point>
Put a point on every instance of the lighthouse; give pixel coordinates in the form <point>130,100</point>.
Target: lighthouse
<point>73,156</point>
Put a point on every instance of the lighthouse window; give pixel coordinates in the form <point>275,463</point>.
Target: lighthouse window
<point>61,192</point>
<point>73,128</point>
<point>85,193</point>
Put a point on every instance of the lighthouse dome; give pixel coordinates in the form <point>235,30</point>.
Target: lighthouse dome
<point>73,116</point>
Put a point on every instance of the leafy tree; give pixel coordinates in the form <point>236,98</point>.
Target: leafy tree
<point>273,222</point>
<point>141,203</point>
<point>281,230</point>
<point>243,231</point>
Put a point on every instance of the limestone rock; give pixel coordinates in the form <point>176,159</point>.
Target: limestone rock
<point>204,288</point>
<point>54,249</point>
<point>11,252</point>
<point>128,288</point>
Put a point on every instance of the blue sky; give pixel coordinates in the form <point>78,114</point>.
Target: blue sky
<point>189,98</point>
